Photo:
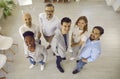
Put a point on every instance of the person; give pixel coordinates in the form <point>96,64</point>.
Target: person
<point>29,26</point>
<point>63,0</point>
<point>47,0</point>
<point>59,44</point>
<point>79,36</point>
<point>48,23</point>
<point>91,50</point>
<point>34,51</point>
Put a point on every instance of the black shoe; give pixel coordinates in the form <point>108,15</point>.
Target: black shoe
<point>61,70</point>
<point>77,61</point>
<point>75,71</point>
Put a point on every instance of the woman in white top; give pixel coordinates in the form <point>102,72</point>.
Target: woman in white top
<point>79,36</point>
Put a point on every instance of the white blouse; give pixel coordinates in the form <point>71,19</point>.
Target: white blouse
<point>76,35</point>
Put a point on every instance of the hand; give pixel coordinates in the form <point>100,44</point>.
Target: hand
<point>64,58</point>
<point>77,61</point>
<point>84,60</point>
<point>72,45</point>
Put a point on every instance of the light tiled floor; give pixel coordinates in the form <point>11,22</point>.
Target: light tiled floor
<point>98,13</point>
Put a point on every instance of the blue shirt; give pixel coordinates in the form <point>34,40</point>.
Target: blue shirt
<point>91,50</point>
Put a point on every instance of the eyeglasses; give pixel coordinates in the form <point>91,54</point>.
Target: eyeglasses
<point>50,11</point>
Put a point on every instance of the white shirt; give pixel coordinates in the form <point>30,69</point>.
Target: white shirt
<point>25,28</point>
<point>48,27</point>
<point>39,54</point>
<point>77,35</point>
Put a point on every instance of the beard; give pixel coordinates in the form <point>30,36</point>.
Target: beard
<point>91,37</point>
<point>29,24</point>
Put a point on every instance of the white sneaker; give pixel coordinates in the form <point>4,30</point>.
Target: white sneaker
<point>42,67</point>
<point>72,58</point>
<point>31,66</point>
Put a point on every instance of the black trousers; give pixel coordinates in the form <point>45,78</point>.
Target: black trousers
<point>58,61</point>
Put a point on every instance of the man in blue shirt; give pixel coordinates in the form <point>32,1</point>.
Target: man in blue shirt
<point>91,50</point>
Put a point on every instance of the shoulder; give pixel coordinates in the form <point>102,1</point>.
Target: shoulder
<point>39,46</point>
<point>42,15</point>
<point>56,18</point>
<point>57,32</point>
<point>21,27</point>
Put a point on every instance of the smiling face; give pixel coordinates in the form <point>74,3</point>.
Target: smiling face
<point>81,24</point>
<point>95,35</point>
<point>66,27</point>
<point>27,19</point>
<point>30,41</point>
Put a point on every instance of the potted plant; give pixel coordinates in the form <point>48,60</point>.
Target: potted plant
<point>7,6</point>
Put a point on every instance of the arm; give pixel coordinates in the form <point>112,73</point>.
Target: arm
<point>80,43</point>
<point>21,33</point>
<point>94,55</point>
<point>54,45</point>
<point>44,54</point>
<point>40,31</point>
<point>26,51</point>
<point>37,33</point>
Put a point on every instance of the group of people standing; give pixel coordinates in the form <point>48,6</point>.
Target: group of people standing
<point>56,36</point>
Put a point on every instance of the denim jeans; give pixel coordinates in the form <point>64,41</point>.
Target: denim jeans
<point>80,65</point>
<point>34,62</point>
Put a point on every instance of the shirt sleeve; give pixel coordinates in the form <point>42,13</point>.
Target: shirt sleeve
<point>37,31</point>
<point>84,38</point>
<point>21,33</point>
<point>54,45</point>
<point>94,55</point>
<point>26,50</point>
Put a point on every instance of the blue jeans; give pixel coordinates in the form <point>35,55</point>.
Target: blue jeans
<point>34,62</point>
<point>80,65</point>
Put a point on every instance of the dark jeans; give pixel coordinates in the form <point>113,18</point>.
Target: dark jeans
<point>58,61</point>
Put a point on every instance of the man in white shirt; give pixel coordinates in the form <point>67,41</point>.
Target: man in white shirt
<point>29,26</point>
<point>48,23</point>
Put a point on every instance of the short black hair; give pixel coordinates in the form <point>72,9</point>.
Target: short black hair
<point>100,29</point>
<point>49,5</point>
<point>65,19</point>
<point>28,33</point>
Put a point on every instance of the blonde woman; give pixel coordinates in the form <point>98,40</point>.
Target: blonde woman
<point>79,36</point>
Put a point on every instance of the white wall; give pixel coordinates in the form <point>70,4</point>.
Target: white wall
<point>116,5</point>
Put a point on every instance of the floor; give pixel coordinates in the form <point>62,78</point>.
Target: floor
<point>107,66</point>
